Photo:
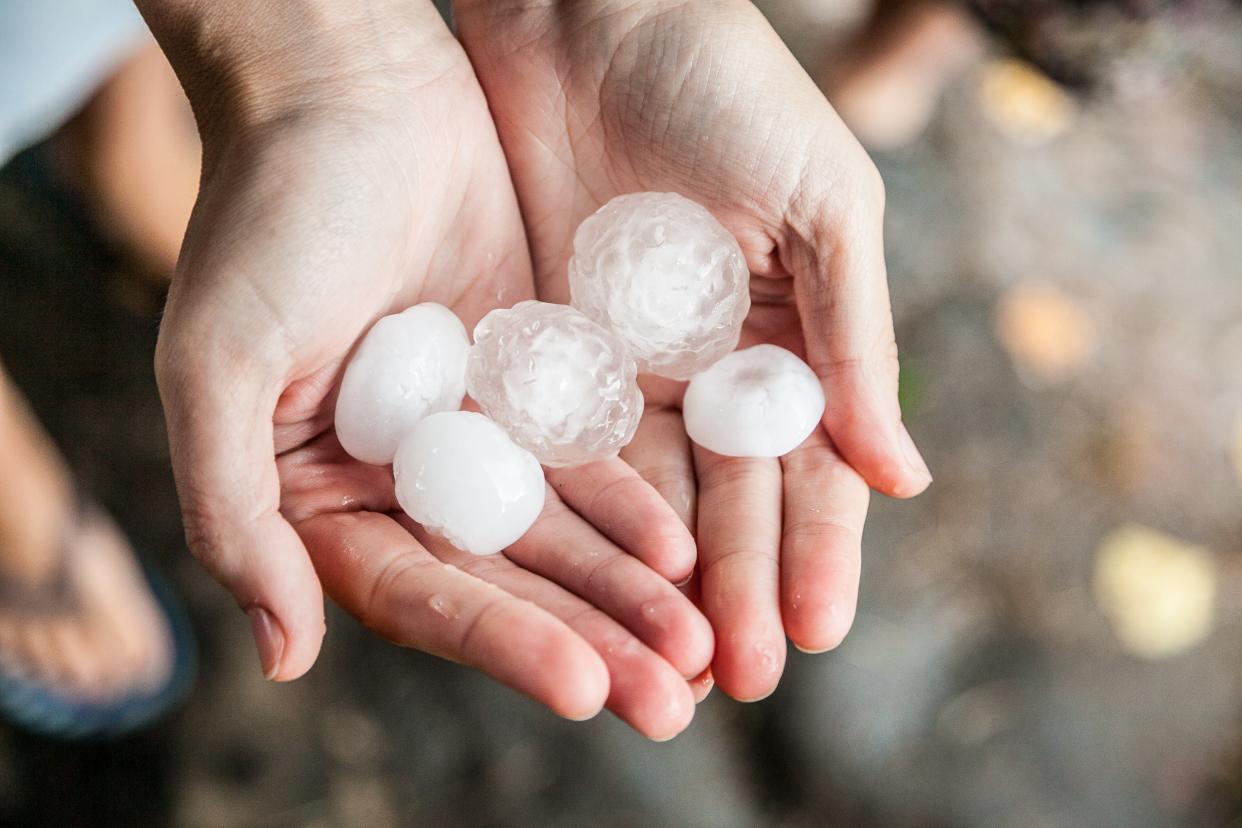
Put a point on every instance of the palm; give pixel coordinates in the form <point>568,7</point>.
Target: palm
<point>401,207</point>
<point>591,102</point>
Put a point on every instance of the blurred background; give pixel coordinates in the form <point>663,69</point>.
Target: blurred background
<point>1050,636</point>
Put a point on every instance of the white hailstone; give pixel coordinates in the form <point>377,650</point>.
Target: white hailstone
<point>756,402</point>
<point>461,477</point>
<point>659,271</point>
<point>563,387</point>
<point>409,365</point>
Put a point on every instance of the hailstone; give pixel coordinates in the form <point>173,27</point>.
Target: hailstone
<point>659,271</point>
<point>757,402</point>
<point>409,365</point>
<point>563,387</point>
<point>459,475</point>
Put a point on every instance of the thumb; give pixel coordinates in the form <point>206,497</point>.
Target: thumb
<point>221,443</point>
<point>837,257</point>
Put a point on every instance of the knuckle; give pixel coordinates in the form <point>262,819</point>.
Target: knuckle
<point>203,540</point>
<point>492,615</point>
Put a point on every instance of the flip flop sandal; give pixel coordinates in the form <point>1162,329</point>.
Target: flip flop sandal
<point>42,708</point>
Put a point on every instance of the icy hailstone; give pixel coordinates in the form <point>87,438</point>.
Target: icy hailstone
<point>659,271</point>
<point>562,386</point>
<point>409,365</point>
<point>757,402</point>
<point>461,477</point>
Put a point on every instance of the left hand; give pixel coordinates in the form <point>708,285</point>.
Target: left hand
<point>594,98</point>
<point>352,170</point>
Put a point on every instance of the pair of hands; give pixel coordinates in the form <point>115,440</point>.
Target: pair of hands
<point>352,167</point>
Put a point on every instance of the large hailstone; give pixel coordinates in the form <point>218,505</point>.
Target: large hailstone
<point>459,475</point>
<point>409,365</point>
<point>659,271</point>
<point>562,386</point>
<point>756,402</point>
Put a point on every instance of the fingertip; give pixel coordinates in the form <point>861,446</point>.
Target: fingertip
<point>297,653</point>
<point>907,486</point>
<point>675,553</point>
<point>682,634</point>
<point>883,463</point>
<point>701,647</point>
<point>584,691</point>
<point>283,599</point>
<point>662,723</point>
<point>820,626</point>
<point>751,672</point>
<point>701,685</point>
<point>552,664</point>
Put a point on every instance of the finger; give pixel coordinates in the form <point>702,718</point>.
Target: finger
<point>837,257</point>
<point>702,684</point>
<point>645,691</point>
<point>221,444</point>
<point>612,497</point>
<point>376,571</point>
<point>739,541</point>
<point>660,453</point>
<point>565,549</point>
<point>320,477</point>
<point>821,544</point>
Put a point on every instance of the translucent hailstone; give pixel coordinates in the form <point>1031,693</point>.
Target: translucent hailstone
<point>461,477</point>
<point>659,271</point>
<point>409,365</point>
<point>756,402</point>
<point>562,386</point>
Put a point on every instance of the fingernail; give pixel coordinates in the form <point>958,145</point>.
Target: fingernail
<point>915,460</point>
<point>268,638</point>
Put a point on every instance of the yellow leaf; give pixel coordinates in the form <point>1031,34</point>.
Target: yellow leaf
<point>1045,333</point>
<point>1158,592</point>
<point>1023,102</point>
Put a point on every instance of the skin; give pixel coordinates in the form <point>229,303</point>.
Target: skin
<point>351,169</point>
<point>112,640</point>
<point>594,98</point>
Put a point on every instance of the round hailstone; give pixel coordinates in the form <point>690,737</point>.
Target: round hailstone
<point>461,477</point>
<point>562,386</point>
<point>659,271</point>
<point>409,365</point>
<point>756,402</point>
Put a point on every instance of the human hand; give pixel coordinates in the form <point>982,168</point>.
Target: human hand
<point>593,98</point>
<point>351,169</point>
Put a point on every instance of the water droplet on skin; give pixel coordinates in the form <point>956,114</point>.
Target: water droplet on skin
<point>767,661</point>
<point>442,607</point>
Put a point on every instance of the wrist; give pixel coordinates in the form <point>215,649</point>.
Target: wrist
<point>245,62</point>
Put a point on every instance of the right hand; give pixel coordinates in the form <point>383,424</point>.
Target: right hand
<point>351,169</point>
<point>595,98</point>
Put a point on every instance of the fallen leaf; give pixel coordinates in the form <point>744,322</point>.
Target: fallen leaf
<point>1157,591</point>
<point>1044,331</point>
<point>1023,102</point>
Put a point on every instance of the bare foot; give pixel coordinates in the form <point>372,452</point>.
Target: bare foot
<point>76,614</point>
<point>887,86</point>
